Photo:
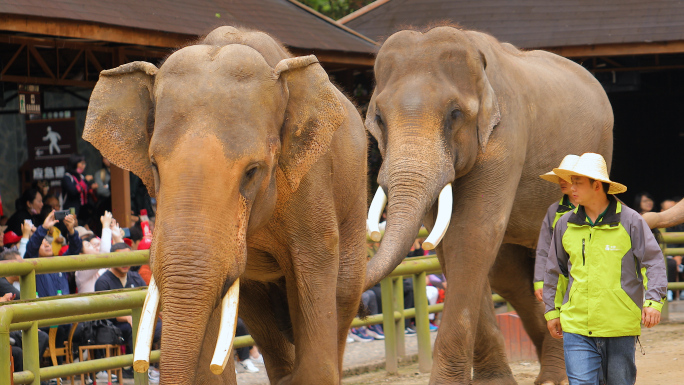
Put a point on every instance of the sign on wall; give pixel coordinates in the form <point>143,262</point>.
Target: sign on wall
<point>29,99</point>
<point>50,143</point>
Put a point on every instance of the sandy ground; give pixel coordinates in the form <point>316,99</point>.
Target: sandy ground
<point>662,363</point>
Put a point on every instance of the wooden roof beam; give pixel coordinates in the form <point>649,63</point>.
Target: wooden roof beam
<point>625,49</point>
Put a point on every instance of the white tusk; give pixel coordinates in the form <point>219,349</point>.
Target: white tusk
<point>446,200</point>
<point>224,342</point>
<point>143,342</point>
<point>374,214</point>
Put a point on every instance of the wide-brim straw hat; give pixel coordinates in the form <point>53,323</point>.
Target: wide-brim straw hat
<point>592,166</point>
<point>566,164</point>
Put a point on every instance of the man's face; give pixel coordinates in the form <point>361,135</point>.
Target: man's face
<point>583,190</point>
<point>565,187</point>
<point>121,270</point>
<point>45,249</point>
<point>124,269</point>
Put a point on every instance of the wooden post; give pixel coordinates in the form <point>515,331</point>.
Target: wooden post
<point>120,184</point>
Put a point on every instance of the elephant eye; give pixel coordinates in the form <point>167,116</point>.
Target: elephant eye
<point>378,120</point>
<point>251,172</point>
<point>455,114</point>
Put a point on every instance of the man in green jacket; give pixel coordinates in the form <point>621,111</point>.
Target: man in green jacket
<point>603,248</point>
<point>553,214</point>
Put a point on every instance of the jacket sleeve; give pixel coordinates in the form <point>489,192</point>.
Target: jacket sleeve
<point>106,241</point>
<point>69,185</point>
<point>34,242</point>
<point>543,244</point>
<point>75,244</point>
<point>648,254</point>
<point>556,277</point>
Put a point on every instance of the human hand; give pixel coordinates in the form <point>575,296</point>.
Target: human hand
<point>650,317</point>
<point>70,223</point>
<point>106,219</point>
<point>129,319</point>
<point>8,297</point>
<point>89,178</point>
<point>94,186</point>
<point>117,233</point>
<point>555,328</point>
<point>27,229</point>
<point>50,220</point>
<point>539,293</point>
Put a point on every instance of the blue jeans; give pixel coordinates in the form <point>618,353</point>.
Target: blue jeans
<point>599,360</point>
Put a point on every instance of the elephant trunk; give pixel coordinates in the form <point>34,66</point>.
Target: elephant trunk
<point>416,168</point>
<point>410,196</point>
<point>197,273</point>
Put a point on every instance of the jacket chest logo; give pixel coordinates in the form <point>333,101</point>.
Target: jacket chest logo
<point>612,248</point>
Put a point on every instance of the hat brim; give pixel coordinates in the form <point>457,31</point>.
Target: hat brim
<point>551,177</point>
<point>615,187</point>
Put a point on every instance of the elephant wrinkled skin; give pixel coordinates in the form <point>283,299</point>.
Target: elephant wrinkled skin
<point>238,142</point>
<point>457,106</point>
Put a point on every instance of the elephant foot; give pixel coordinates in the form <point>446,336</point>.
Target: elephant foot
<point>504,380</point>
<point>547,377</point>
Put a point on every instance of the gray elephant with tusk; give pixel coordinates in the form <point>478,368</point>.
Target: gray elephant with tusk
<point>237,140</point>
<point>465,125</point>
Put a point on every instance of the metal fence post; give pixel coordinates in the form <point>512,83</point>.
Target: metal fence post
<point>29,337</point>
<point>400,324</point>
<point>5,349</point>
<point>422,322</point>
<point>389,326</point>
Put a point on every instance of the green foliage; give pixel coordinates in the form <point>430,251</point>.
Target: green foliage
<point>336,9</point>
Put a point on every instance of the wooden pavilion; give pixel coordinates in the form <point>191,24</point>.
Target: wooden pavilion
<point>58,47</point>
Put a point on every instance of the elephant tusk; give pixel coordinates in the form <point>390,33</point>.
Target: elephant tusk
<point>374,214</point>
<point>141,354</point>
<point>446,200</point>
<point>224,342</point>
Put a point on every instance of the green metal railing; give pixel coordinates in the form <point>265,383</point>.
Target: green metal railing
<point>30,313</point>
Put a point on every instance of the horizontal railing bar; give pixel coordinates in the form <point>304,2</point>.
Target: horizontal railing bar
<point>123,299</point>
<point>674,251</point>
<point>672,237</point>
<point>675,285</point>
<point>70,319</point>
<point>74,263</point>
<point>90,366</point>
<point>417,266</point>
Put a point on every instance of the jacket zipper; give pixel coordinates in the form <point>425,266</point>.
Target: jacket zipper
<point>583,258</point>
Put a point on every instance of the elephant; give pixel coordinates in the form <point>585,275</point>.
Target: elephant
<point>258,165</point>
<point>465,125</point>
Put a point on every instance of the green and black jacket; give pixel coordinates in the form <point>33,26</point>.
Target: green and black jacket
<point>553,214</point>
<point>604,264</point>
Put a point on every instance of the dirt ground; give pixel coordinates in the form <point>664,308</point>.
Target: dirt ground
<point>662,363</point>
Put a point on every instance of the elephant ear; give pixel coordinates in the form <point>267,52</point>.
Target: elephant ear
<point>313,114</point>
<point>120,118</point>
<point>488,116</point>
<point>373,126</point>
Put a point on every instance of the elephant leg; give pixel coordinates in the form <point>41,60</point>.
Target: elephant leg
<point>511,277</point>
<point>461,319</point>
<point>269,325</point>
<point>351,276</point>
<point>490,365</point>
<point>312,300</point>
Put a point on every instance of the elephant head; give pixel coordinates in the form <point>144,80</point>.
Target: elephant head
<point>432,112</point>
<point>217,133</point>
